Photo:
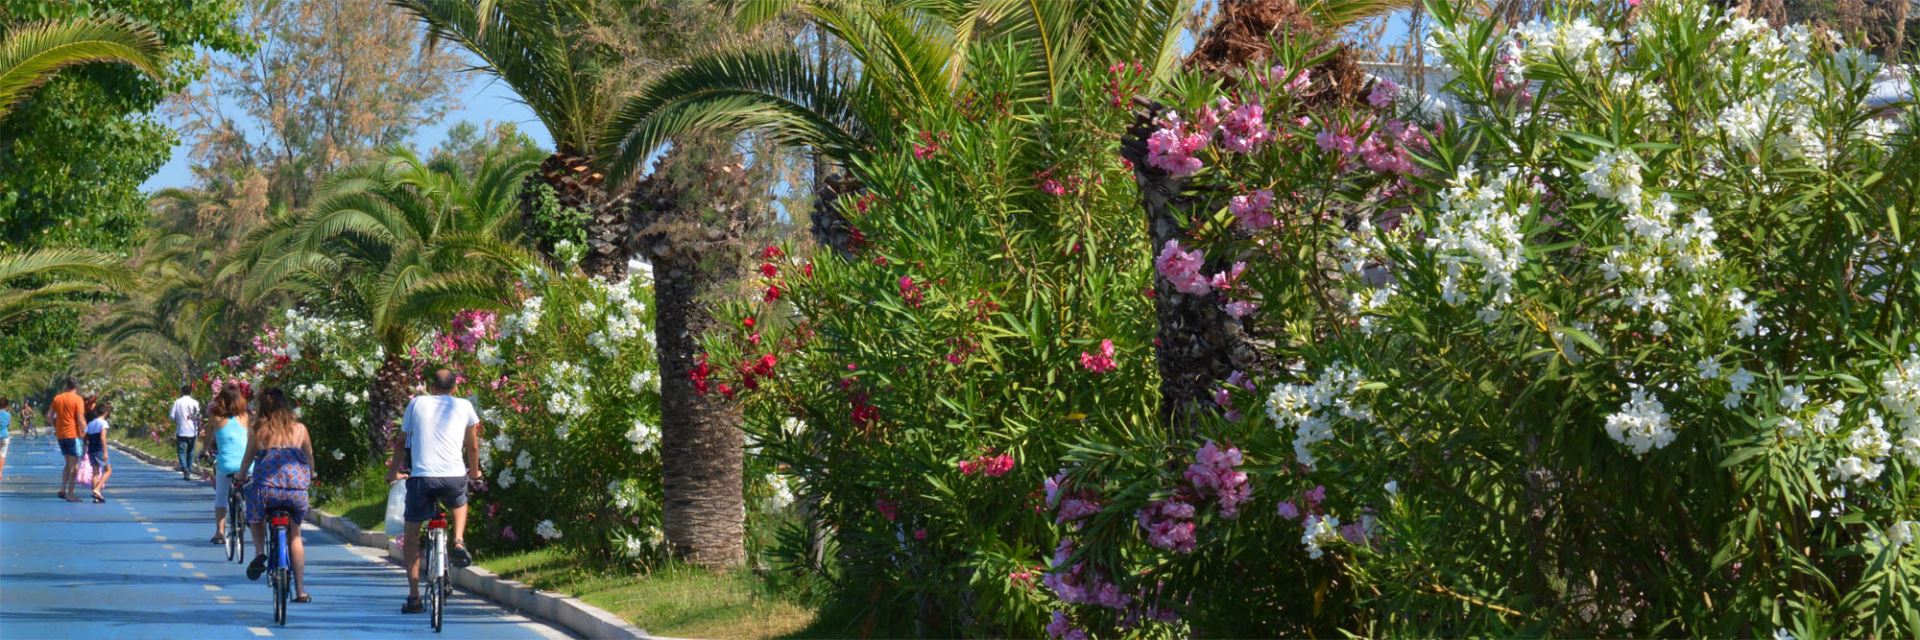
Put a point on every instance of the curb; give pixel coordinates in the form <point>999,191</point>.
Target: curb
<point>568,612</point>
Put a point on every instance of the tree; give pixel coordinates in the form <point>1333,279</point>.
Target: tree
<point>332,82</point>
<point>74,153</point>
<point>31,54</point>
<point>400,246</point>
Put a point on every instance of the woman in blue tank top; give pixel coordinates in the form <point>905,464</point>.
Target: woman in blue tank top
<point>229,446</point>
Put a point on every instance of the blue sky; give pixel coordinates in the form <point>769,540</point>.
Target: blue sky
<point>481,100</point>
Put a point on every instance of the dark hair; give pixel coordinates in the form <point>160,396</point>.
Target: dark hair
<point>72,383</point>
<point>275,416</point>
<point>443,380</point>
<point>4,403</point>
<point>228,404</point>
<point>186,389</point>
<point>97,410</point>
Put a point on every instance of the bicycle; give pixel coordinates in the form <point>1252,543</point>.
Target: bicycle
<point>279,565</point>
<point>236,523</point>
<point>437,585</point>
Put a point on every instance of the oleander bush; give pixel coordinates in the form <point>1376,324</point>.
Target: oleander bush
<point>1617,341</point>
<point>324,364</point>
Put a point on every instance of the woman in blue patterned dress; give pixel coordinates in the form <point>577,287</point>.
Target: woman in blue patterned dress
<point>281,458</point>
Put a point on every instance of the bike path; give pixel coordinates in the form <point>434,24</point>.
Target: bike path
<point>140,566</point>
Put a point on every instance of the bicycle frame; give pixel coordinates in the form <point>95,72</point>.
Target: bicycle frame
<point>279,567</point>
<point>436,570</point>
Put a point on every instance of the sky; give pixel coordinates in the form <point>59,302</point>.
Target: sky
<point>482,99</point>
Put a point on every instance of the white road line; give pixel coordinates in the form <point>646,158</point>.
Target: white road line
<point>167,547</point>
<point>210,587</point>
<point>197,574</point>
<point>177,556</point>
<point>260,631</point>
<point>159,538</point>
<point>153,530</point>
<point>186,565</point>
<point>223,599</point>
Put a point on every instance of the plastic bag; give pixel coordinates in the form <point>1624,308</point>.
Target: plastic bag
<point>397,509</point>
<point>84,474</point>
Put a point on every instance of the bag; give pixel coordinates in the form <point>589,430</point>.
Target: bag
<point>84,475</point>
<point>397,509</point>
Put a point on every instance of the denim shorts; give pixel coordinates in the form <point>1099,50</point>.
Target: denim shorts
<point>97,451</point>
<point>423,493</point>
<point>70,447</point>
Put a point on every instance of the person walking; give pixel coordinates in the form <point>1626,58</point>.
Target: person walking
<point>68,415</point>
<point>440,450</point>
<point>282,454</point>
<point>185,414</point>
<point>228,442</point>
<point>6,433</point>
<point>97,448</point>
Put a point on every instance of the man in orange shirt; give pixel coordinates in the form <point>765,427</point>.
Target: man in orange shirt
<point>67,413</point>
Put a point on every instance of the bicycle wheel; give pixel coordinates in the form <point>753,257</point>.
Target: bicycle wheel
<point>280,589</point>
<point>434,600</point>
<point>440,603</point>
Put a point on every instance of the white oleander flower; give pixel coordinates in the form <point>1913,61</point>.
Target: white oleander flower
<point>1615,176</point>
<point>793,427</point>
<point>1320,532</point>
<point>1309,409</point>
<point>782,493</point>
<point>1642,424</point>
<point>643,437</point>
<point>547,530</point>
<point>339,455</point>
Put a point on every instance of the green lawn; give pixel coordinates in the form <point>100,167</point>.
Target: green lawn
<point>674,601</point>
<point>362,499</point>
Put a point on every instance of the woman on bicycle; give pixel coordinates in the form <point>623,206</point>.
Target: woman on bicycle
<point>281,457</point>
<point>229,444</point>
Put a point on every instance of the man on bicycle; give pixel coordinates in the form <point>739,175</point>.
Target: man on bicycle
<point>440,452</point>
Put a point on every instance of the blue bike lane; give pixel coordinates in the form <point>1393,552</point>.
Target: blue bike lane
<point>140,566</point>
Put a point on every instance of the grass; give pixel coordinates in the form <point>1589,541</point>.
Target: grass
<point>676,600</point>
<point>361,499</point>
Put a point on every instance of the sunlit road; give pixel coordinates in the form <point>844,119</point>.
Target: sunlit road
<point>140,566</point>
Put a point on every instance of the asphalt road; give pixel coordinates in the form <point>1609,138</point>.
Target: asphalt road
<point>140,566</point>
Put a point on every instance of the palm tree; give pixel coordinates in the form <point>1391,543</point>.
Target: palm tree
<point>535,47</point>
<point>42,280</point>
<point>402,246</point>
<point>30,54</point>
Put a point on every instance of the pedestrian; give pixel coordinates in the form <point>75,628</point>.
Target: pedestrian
<point>186,429</point>
<point>441,454</point>
<point>97,447</point>
<point>68,415</point>
<point>281,454</point>
<point>6,433</point>
<point>228,442</point>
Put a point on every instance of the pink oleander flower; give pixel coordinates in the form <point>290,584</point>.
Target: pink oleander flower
<point>888,509</point>
<point>1289,510</point>
<point>507,532</point>
<point>1215,471</point>
<point>1226,280</point>
<point>1053,187</point>
<point>1280,73</point>
<point>1338,141</point>
<point>1168,525</point>
<point>920,534</point>
<point>1252,211</point>
<point>1240,309</point>
<point>1061,628</point>
<point>910,292</point>
<point>1077,507</point>
<point>1243,131</point>
<point>989,465</point>
<point>1182,269</point>
<point>1354,533</point>
<point>1171,149</point>
<point>1101,363</point>
<point>1383,94</point>
<point>1080,584</point>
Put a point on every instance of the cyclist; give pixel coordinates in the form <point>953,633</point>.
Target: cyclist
<point>284,457</point>
<point>229,444</point>
<point>68,415</point>
<point>440,451</point>
<point>6,436</point>
<point>185,414</point>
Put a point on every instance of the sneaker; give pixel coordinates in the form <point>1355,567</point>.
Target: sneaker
<point>458,554</point>
<point>413,605</point>
<point>258,567</point>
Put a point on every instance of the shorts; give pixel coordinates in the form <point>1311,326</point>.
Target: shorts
<point>423,493</point>
<point>222,484</point>
<point>5,444</point>
<point>260,499</point>
<point>70,447</point>
<point>97,451</point>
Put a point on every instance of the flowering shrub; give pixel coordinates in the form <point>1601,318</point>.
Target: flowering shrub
<point>570,407</point>
<point>326,366</point>
<point>915,396</point>
<point>1617,343</point>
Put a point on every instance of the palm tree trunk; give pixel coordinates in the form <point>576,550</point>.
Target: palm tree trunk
<point>688,216</point>
<point>576,185</point>
<point>385,400</point>
<point>1197,344</point>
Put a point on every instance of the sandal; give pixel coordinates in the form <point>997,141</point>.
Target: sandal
<point>218,540</point>
<point>413,605</point>
<point>99,500</point>
<point>303,598</point>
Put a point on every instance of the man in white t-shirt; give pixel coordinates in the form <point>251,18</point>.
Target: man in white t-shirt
<point>186,428</point>
<point>440,452</point>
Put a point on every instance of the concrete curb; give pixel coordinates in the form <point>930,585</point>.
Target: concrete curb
<point>568,612</point>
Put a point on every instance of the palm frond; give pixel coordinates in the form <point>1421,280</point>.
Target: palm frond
<point>31,54</point>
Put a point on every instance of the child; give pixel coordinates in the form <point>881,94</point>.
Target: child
<point>97,448</point>
<point>6,437</point>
